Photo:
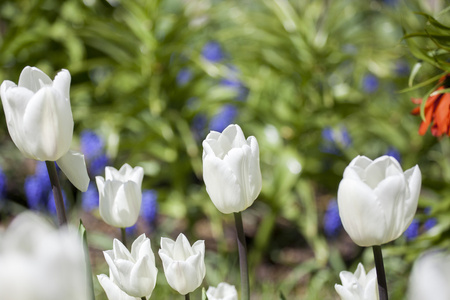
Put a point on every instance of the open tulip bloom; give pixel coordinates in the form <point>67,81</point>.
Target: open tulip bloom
<point>120,195</point>
<point>358,285</point>
<point>132,274</point>
<point>184,265</point>
<point>377,200</point>
<point>40,122</point>
<point>223,291</point>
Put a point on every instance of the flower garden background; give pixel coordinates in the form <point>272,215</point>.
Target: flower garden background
<point>316,82</point>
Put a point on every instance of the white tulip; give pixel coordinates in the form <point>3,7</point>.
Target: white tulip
<point>120,195</point>
<point>40,262</point>
<point>430,277</point>
<point>134,273</point>
<point>40,122</point>
<point>231,169</point>
<point>377,200</point>
<point>184,266</point>
<point>223,291</point>
<point>358,286</point>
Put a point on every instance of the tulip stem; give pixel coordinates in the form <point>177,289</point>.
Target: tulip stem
<point>57,194</point>
<point>381,275</point>
<point>123,234</point>
<point>245,286</point>
<point>187,297</point>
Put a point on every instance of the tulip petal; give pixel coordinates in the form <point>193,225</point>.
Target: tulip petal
<point>143,277</point>
<point>413,177</point>
<point>15,100</point>
<point>254,171</point>
<point>380,168</point>
<point>361,213</point>
<point>182,248</point>
<point>33,79</point>
<point>62,83</point>
<point>391,195</point>
<point>222,186</point>
<point>113,292</point>
<point>74,167</point>
<point>48,124</point>
<point>167,246</point>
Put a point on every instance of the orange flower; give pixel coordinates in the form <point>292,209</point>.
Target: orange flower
<point>437,110</point>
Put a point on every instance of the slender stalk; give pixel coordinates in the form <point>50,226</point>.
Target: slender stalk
<point>123,235</point>
<point>187,297</point>
<point>57,194</point>
<point>245,286</point>
<point>381,275</point>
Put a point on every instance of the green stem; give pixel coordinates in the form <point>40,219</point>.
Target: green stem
<point>381,275</point>
<point>187,297</point>
<point>245,286</point>
<point>57,194</point>
<point>123,234</point>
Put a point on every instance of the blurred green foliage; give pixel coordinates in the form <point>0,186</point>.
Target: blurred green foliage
<point>321,82</point>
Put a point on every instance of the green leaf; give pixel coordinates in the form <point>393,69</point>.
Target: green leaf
<point>90,283</point>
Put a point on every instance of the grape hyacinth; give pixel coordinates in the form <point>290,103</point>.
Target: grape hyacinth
<point>90,198</point>
<point>394,153</point>
<point>370,83</point>
<point>2,184</point>
<point>332,224</point>
<point>223,118</point>
<point>335,139</point>
<point>412,231</point>
<point>212,51</point>
<point>184,76</point>
<point>91,144</point>
<point>149,205</point>
<point>37,187</point>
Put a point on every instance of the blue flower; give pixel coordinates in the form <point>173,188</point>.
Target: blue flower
<point>131,230</point>
<point>36,192</point>
<point>225,117</point>
<point>37,187</point>
<point>370,83</point>
<point>97,164</point>
<point>149,205</point>
<point>91,144</point>
<point>51,203</point>
<point>335,139</point>
<point>402,68</point>
<point>412,231</point>
<point>332,224</point>
<point>430,222</point>
<point>184,76</point>
<point>212,51</point>
<point>394,153</point>
<point>2,184</point>
<point>90,198</point>
<point>237,86</point>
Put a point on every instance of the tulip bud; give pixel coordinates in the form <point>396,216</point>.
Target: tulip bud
<point>40,122</point>
<point>231,169</point>
<point>184,266</point>
<point>377,200</point>
<point>120,195</point>
<point>134,273</point>
<point>224,291</point>
<point>430,277</point>
<point>358,286</point>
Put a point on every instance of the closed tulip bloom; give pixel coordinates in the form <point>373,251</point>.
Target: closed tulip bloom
<point>184,265</point>
<point>358,285</point>
<point>40,122</point>
<point>430,277</point>
<point>133,272</point>
<point>223,291</point>
<point>231,169</point>
<point>120,195</point>
<point>377,200</point>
